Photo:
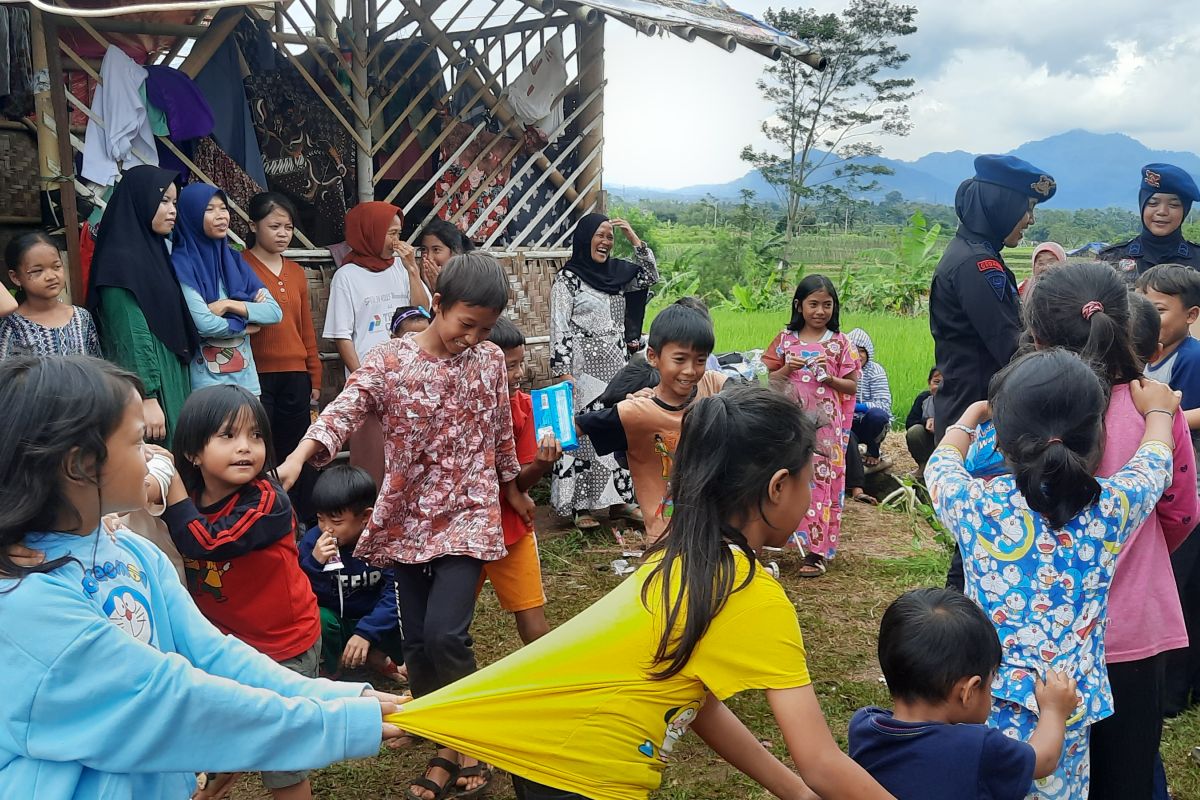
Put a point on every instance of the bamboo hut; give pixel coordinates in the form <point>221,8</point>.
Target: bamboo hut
<point>486,113</point>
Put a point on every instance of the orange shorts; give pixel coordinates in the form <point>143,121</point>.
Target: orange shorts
<point>517,578</point>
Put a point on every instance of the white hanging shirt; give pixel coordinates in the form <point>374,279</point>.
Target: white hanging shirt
<point>125,135</point>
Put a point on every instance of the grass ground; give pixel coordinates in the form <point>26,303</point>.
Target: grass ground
<point>883,554</point>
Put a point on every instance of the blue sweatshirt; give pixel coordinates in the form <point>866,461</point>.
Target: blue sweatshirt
<point>368,594</point>
<point>116,687</point>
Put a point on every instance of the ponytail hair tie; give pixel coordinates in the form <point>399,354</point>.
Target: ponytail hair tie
<point>1091,308</point>
<point>1053,440</point>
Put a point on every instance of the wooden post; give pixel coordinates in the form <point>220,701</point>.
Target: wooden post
<point>591,77</point>
<point>66,161</point>
<point>358,57</point>
<point>207,45</point>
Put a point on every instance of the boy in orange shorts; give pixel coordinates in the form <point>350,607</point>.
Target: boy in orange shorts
<point>517,578</point>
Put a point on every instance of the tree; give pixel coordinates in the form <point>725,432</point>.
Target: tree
<point>826,121</point>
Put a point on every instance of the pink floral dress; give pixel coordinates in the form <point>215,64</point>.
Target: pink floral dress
<point>821,529</point>
<point>448,445</point>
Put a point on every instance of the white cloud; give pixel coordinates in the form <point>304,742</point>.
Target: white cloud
<point>992,75</point>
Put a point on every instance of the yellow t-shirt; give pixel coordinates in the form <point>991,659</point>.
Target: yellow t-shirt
<point>577,709</point>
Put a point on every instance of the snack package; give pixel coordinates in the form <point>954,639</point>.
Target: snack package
<point>554,412</point>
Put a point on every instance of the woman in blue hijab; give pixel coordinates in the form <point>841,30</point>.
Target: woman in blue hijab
<point>1165,197</point>
<point>225,298</point>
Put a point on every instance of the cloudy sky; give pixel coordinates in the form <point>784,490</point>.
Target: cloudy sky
<point>992,74</point>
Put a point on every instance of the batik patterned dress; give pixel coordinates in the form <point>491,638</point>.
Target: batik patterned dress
<point>21,336</point>
<point>821,529</point>
<point>587,332</point>
<point>1046,590</point>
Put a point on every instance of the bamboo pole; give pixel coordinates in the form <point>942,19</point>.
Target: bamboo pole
<point>452,59</point>
<point>570,209</point>
<point>591,75</point>
<point>520,174</point>
<point>208,44</point>
<point>554,198</point>
<point>381,106</point>
<point>447,130</point>
<point>365,172</point>
<point>324,67</point>
<point>43,109</point>
<point>439,40</point>
<point>65,176</point>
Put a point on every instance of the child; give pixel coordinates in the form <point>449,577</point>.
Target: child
<point>1175,292</point>
<point>1041,544</point>
<point>442,396</point>
<point>647,428</point>
<point>1045,256</point>
<point>701,307</point>
<point>919,424</point>
<point>873,398</point>
<point>42,325</point>
<point>939,654</point>
<point>226,299</point>
<point>237,534</point>
<point>821,367</point>
<point>595,708</point>
<point>357,602</point>
<point>517,578</point>
<point>1087,310</point>
<point>100,644</point>
<point>1145,328</point>
<point>409,319</point>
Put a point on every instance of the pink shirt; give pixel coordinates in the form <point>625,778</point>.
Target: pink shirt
<point>447,447</point>
<point>1143,604</point>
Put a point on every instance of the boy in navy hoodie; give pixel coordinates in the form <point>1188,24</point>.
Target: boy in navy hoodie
<point>359,624</point>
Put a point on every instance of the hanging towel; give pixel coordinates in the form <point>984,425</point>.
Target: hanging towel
<point>221,83</point>
<point>125,135</point>
<point>532,95</point>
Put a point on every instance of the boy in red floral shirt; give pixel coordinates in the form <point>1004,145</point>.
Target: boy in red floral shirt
<point>442,396</point>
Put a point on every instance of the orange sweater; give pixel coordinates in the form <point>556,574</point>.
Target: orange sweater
<point>290,346</point>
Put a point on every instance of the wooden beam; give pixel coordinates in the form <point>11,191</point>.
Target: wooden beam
<point>591,75</point>
<point>208,44</point>
<point>66,163</point>
<point>358,69</point>
<point>43,110</point>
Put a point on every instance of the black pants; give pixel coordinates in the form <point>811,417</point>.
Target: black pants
<point>1124,746</point>
<point>920,445</point>
<point>1183,666</point>
<point>856,475</point>
<point>528,790</point>
<point>286,397</point>
<point>437,603</point>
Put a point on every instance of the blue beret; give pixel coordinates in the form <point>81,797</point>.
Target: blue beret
<point>1167,179</point>
<point>1016,174</point>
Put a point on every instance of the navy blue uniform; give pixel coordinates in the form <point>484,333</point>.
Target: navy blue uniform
<point>975,319</point>
<point>1133,257</point>
<point>1130,259</point>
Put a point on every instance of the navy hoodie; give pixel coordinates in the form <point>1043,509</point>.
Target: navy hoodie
<point>368,593</point>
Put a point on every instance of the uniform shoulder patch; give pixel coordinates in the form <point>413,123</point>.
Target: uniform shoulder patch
<point>989,265</point>
<point>1127,264</point>
<point>998,281</point>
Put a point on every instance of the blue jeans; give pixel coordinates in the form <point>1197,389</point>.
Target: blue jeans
<point>870,427</point>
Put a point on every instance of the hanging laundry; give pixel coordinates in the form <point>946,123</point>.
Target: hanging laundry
<point>534,95</point>
<point>221,83</point>
<point>494,149</point>
<point>16,63</point>
<point>188,113</point>
<point>125,135</point>
<point>227,174</point>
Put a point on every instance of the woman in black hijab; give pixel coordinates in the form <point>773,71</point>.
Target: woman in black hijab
<point>588,335</point>
<point>135,297</point>
<point>1165,197</point>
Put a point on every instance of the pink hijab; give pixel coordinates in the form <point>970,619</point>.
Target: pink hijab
<point>1049,247</point>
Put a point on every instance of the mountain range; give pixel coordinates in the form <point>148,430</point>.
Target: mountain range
<point>1093,170</point>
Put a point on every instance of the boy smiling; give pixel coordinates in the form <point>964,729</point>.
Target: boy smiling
<point>647,428</point>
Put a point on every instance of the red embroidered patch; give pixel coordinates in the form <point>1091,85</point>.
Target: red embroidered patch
<point>989,264</point>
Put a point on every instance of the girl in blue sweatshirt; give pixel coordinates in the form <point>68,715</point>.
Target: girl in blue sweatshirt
<point>115,686</point>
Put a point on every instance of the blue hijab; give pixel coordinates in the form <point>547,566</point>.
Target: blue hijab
<point>207,264</point>
<point>989,211</point>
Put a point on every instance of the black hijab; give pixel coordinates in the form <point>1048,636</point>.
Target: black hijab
<point>1161,249</point>
<point>131,256</point>
<point>611,276</point>
<point>989,211</point>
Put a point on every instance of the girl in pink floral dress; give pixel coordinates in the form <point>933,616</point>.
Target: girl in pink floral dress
<point>822,367</point>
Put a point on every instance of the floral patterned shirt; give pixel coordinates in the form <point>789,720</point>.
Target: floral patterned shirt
<point>447,447</point>
<point>1046,590</point>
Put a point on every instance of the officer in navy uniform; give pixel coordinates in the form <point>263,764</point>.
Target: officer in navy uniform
<point>974,308</point>
<point>1165,198</point>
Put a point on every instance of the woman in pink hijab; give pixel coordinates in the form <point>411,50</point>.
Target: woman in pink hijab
<point>1045,256</point>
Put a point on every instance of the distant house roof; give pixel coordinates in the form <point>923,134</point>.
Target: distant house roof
<point>714,21</point>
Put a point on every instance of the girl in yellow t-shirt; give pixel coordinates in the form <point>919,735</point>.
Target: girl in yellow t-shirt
<point>593,709</point>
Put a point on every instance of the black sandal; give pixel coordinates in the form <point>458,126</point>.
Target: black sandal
<point>478,770</point>
<point>439,792</point>
<point>813,566</point>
